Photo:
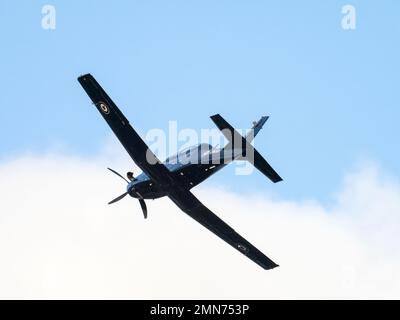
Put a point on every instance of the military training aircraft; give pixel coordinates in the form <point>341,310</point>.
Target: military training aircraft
<point>178,174</point>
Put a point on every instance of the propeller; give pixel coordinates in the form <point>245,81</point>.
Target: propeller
<point>118,198</point>
<point>141,200</point>
<point>118,174</point>
<point>144,207</point>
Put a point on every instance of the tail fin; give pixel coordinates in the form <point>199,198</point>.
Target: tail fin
<point>257,126</point>
<point>248,152</point>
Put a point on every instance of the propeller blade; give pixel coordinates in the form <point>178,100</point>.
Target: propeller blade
<point>144,207</point>
<point>119,175</point>
<point>118,198</point>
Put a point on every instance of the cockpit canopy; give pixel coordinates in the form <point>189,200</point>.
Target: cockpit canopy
<point>190,153</point>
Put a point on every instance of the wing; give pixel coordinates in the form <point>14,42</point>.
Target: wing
<point>194,208</point>
<point>134,145</point>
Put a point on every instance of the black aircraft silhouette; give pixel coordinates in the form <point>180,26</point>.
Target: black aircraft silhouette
<point>178,174</point>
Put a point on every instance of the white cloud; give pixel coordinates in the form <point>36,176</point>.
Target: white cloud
<point>59,239</point>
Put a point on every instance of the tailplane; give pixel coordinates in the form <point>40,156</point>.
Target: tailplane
<point>241,147</point>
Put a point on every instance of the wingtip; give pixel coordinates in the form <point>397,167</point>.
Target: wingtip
<point>83,77</point>
<point>272,267</point>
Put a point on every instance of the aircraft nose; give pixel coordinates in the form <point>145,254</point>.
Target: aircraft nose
<point>129,188</point>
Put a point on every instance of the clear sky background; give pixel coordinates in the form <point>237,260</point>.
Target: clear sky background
<point>333,100</point>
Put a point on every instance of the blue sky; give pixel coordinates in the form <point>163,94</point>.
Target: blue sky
<point>332,94</point>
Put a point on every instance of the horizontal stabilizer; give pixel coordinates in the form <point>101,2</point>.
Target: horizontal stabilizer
<point>248,152</point>
<point>263,166</point>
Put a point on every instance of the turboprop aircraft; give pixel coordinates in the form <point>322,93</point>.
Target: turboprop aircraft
<point>177,175</point>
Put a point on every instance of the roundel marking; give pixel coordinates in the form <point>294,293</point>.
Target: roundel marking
<point>104,108</point>
<point>243,248</point>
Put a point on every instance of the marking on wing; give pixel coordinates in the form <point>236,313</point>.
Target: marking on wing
<point>103,107</point>
<point>243,248</point>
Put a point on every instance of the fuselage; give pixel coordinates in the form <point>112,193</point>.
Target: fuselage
<point>190,167</point>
